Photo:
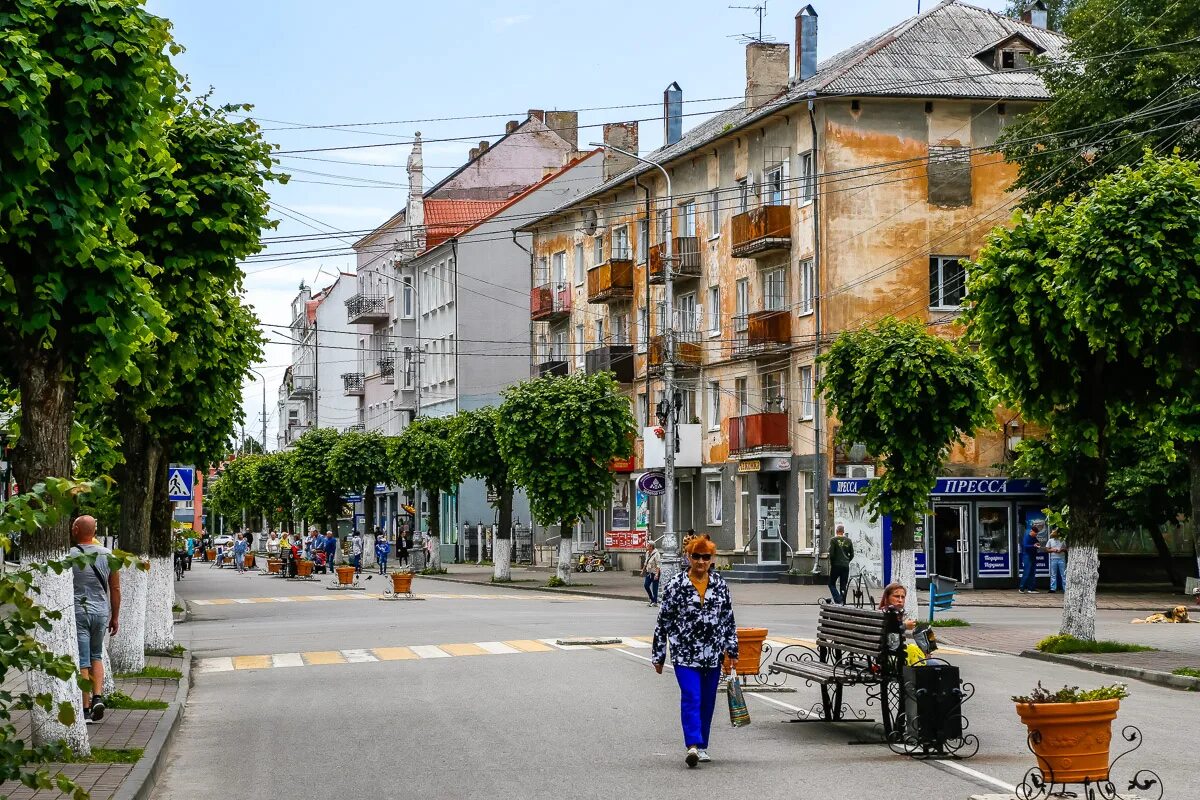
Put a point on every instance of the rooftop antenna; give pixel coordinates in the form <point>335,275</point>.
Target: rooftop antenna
<point>761,11</point>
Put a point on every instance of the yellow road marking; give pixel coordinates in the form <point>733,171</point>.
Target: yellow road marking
<point>393,653</point>
<point>528,645</point>
<point>463,649</point>
<point>324,657</point>
<point>251,662</point>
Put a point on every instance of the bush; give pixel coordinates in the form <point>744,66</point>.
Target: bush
<point>1187,672</point>
<point>1073,694</point>
<point>950,622</point>
<point>1063,643</point>
<point>434,571</point>
<point>555,582</point>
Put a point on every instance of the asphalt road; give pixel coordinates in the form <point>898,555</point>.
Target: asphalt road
<point>336,698</point>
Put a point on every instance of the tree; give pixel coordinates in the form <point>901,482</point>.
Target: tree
<point>358,462</point>
<point>1056,11</point>
<point>423,456</point>
<point>907,395</point>
<point>1123,88</point>
<point>273,489</point>
<point>478,456</point>
<point>85,92</point>
<point>558,437</point>
<point>319,492</point>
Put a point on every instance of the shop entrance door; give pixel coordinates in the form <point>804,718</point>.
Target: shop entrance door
<point>770,543</point>
<point>951,548</point>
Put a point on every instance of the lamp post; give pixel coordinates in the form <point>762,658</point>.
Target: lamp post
<point>263,378</point>
<point>670,539</point>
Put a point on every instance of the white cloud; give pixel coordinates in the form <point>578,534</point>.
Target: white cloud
<point>507,22</point>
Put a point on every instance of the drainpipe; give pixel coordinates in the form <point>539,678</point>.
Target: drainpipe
<point>821,484</point>
<point>531,323</point>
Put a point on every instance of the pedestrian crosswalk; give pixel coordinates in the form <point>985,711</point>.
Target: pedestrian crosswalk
<point>349,595</point>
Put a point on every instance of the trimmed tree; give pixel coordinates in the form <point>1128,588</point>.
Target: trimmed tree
<point>319,493</point>
<point>478,455</point>
<point>558,437</point>
<point>423,456</point>
<point>908,396</point>
<point>357,463</point>
<point>273,489</point>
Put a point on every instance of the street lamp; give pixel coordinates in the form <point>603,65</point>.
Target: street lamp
<point>263,378</point>
<point>670,541</point>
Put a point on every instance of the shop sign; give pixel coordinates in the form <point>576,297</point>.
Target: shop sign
<point>994,565</point>
<point>922,571</point>
<point>623,464</point>
<point>624,540</point>
<point>951,486</point>
<point>653,484</point>
<point>751,465</point>
<point>775,464</point>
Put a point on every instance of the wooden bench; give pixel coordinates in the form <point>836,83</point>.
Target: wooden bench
<point>855,647</point>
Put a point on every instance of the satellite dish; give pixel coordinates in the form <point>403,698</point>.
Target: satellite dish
<point>590,221</point>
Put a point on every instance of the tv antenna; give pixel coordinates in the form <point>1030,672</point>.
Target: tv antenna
<point>761,11</point>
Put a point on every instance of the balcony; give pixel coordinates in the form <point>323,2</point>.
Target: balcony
<point>387,369</point>
<point>612,280</point>
<point>366,308</point>
<point>761,333</point>
<point>550,302</point>
<point>353,384</point>
<point>301,386</point>
<point>762,231</point>
<point>358,428</point>
<point>688,351</point>
<point>553,367</point>
<point>685,264</point>
<point>759,433</point>
<point>614,358</point>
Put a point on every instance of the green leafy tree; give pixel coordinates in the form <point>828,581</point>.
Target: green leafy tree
<point>558,437</point>
<point>273,488</point>
<point>478,455</point>
<point>358,462</point>
<point>1126,85</point>
<point>319,492</point>
<point>907,395</point>
<point>423,456</point>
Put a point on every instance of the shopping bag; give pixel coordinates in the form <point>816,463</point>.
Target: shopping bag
<point>739,714</point>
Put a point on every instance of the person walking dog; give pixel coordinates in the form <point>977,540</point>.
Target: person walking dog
<point>696,619</point>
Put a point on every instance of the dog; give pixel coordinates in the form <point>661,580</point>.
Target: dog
<point>1178,614</point>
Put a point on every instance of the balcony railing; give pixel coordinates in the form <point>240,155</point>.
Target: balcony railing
<point>761,231</point>
<point>762,332</point>
<point>688,350</point>
<point>387,369</point>
<point>359,427</point>
<point>685,260</point>
<point>353,384</point>
<point>364,308</point>
<point>301,386</point>
<point>612,280</point>
<point>759,433</point>
<point>550,302</point>
<point>553,367</point>
<point>614,358</point>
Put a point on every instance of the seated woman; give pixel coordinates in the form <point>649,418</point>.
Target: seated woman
<point>222,556</point>
<point>894,596</point>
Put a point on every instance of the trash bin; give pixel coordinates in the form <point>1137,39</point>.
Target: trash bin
<point>933,703</point>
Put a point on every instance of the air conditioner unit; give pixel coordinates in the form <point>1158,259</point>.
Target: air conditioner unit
<point>860,471</point>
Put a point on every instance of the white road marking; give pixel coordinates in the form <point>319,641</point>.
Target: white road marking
<point>243,600</point>
<point>497,648</point>
<point>635,643</point>
<point>358,656</point>
<point>222,664</point>
<point>287,660</point>
<point>429,651</point>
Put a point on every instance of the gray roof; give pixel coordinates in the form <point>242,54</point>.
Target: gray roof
<point>930,55</point>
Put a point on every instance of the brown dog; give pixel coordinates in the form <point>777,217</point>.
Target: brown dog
<point>1178,614</point>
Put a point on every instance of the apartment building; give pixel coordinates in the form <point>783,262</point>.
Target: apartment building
<point>834,194</point>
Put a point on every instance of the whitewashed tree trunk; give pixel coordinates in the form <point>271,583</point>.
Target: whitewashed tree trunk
<point>160,595</point>
<point>435,553</point>
<point>127,649</point>
<point>501,559</point>
<point>564,560</point>
<point>110,683</point>
<point>904,570</point>
<point>57,593</point>
<point>1079,598</point>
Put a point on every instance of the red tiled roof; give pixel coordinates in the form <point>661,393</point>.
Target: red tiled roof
<point>446,218</point>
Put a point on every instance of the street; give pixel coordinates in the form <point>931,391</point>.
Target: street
<point>316,693</point>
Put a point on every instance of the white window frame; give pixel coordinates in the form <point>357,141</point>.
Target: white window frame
<point>620,242</point>
<point>807,406</point>
<point>643,240</point>
<point>714,405</point>
<point>741,394</point>
<point>774,380</point>
<point>642,334</point>
<point>598,331</point>
<point>559,270</point>
<point>687,313</point>
<point>775,185</point>
<point>743,195</point>
<point>714,213</point>
<point>598,250</point>
<point>407,306</point>
<point>774,301</point>
<point>808,177</point>
<point>687,215</point>
<point>580,347</point>
<point>714,311</point>
<point>580,268</point>
<point>941,261</point>
<point>807,287</point>
<point>709,505</point>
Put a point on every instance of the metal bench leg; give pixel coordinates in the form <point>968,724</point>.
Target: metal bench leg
<point>826,703</point>
<point>837,702</point>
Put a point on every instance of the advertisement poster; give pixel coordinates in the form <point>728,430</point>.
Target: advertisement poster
<point>865,534</point>
<point>624,540</point>
<point>641,512</point>
<point>1041,561</point>
<point>994,565</point>
<point>620,505</point>
<point>920,560</point>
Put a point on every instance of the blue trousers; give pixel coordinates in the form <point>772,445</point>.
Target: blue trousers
<point>1027,579</point>
<point>651,585</point>
<point>697,699</point>
<point>1058,574</point>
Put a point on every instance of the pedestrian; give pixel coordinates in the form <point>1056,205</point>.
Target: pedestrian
<point>401,549</point>
<point>249,537</point>
<point>97,607</point>
<point>1029,549</point>
<point>841,553</point>
<point>190,544</point>
<point>273,544</point>
<point>696,619</point>
<point>239,553</point>
<point>652,570</point>
<point>356,551</point>
<point>331,546</point>
<point>382,549</point>
<point>1056,546</point>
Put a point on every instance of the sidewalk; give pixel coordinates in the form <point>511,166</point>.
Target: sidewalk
<point>121,729</point>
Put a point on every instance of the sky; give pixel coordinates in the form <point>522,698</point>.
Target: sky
<point>428,67</point>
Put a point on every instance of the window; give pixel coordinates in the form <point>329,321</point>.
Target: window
<point>947,282</point>
<point>643,410</point>
<point>810,506</point>
<point>774,391</point>
<point>598,333</point>
<point>580,270</point>
<point>714,311</point>
<point>620,329</point>
<point>743,195</point>
<point>406,297</point>
<point>685,314</point>
<point>620,242</point>
<point>580,346</point>
<point>714,212</point>
<point>559,346</point>
<point>806,393</point>
<point>643,328</point>
<point>741,394</point>
<point>714,405</point>
<point>643,240</point>
<point>774,289</point>
<point>807,286</point>
<point>687,214</point>
<point>598,250</point>
<point>1014,58</point>
<point>664,225</point>
<point>775,195</point>
<point>713,500</point>
<point>742,297</point>
<point>560,269</point>
<point>808,177</point>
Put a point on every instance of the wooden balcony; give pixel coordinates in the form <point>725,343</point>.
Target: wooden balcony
<point>762,231</point>
<point>550,302</point>
<point>688,351</point>
<point>614,358</point>
<point>759,433</point>
<point>685,252</point>
<point>761,333</point>
<point>610,281</point>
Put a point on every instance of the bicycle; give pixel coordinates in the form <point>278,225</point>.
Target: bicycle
<point>857,587</point>
<point>179,564</point>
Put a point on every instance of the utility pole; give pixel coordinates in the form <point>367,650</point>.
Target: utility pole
<point>316,374</point>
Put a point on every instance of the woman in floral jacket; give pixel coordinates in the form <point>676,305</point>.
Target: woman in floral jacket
<point>696,619</point>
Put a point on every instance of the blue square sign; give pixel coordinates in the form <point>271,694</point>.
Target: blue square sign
<point>180,481</point>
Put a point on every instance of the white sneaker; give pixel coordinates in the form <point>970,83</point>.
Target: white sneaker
<point>693,757</point>
<point>1032,591</point>
<point>704,757</point>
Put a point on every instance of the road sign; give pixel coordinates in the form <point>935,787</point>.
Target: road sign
<point>652,483</point>
<point>180,481</point>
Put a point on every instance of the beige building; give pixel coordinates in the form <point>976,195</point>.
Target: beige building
<point>833,195</point>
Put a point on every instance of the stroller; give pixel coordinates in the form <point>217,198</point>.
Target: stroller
<point>319,565</point>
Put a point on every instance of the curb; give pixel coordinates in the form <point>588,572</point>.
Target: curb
<point>546,590</point>
<point>144,775</point>
<point>1182,682</point>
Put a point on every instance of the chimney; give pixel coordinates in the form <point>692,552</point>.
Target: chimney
<point>538,114</point>
<point>806,43</point>
<point>473,154</point>
<point>483,146</point>
<point>625,136</point>
<point>566,125</point>
<point>1036,14</point>
<point>766,71</point>
<point>672,114</point>
<point>511,126</point>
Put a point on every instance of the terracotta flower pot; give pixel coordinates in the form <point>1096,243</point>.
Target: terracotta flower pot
<point>1072,738</point>
<point>249,560</point>
<point>750,644</point>
<point>402,582</point>
<point>212,554</point>
<point>304,568</point>
<point>274,565</point>
<point>345,575</point>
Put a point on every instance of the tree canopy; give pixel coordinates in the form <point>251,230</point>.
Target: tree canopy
<point>358,462</point>
<point>319,493</point>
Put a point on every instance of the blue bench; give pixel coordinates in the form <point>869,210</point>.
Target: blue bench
<point>941,594</point>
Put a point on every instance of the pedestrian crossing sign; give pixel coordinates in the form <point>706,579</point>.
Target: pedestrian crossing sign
<point>180,481</point>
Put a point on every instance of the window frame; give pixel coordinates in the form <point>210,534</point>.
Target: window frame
<point>808,182</point>
<point>940,262</point>
<point>619,247</point>
<point>807,399</point>
<point>713,405</point>
<point>710,518</point>
<point>580,267</point>
<point>808,282</point>
<point>687,216</point>
<point>769,278</point>
<point>743,194</point>
<point>714,213</point>
<point>714,311</point>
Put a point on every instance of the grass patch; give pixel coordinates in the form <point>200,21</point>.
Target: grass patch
<point>175,651</point>
<point>178,609</point>
<point>950,622</point>
<point>1187,672</point>
<point>1067,644</point>
<point>434,571</point>
<point>153,671</point>
<point>103,755</point>
<point>122,700</point>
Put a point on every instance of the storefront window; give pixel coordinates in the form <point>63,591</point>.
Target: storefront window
<point>995,537</point>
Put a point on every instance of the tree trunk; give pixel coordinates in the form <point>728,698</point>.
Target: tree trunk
<point>502,541</point>
<point>1164,552</point>
<point>435,529</point>
<point>136,481</point>
<point>563,571</point>
<point>160,594</point>
<point>128,648</point>
<point>110,683</point>
<point>44,451</point>
<point>904,565</point>
<point>1085,497</point>
<point>1193,457</point>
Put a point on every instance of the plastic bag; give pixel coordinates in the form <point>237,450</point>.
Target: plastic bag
<point>739,714</point>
